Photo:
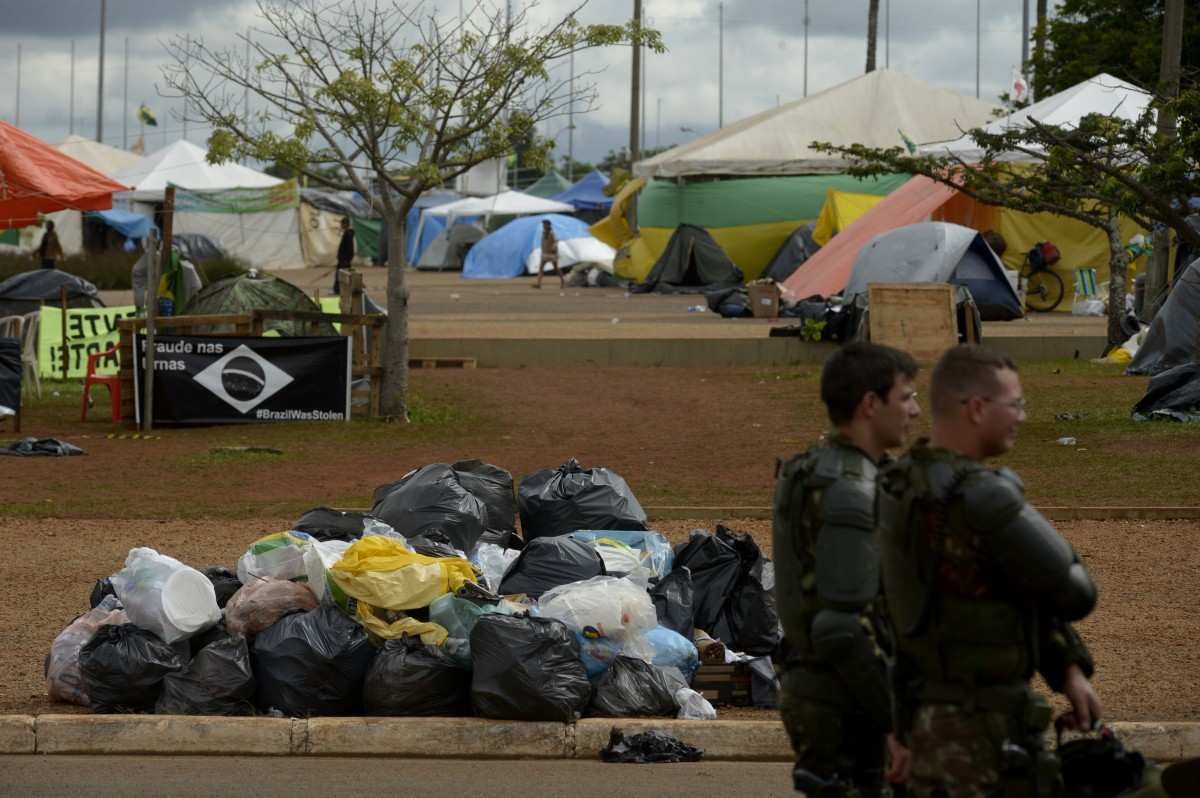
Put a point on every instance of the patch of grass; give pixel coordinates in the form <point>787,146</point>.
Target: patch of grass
<point>429,412</point>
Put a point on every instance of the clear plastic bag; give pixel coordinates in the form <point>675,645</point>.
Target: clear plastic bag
<point>604,606</point>
<point>261,603</point>
<point>164,596</point>
<point>492,561</point>
<point>319,557</point>
<point>277,556</point>
<point>693,706</point>
<point>625,552</point>
<point>63,680</point>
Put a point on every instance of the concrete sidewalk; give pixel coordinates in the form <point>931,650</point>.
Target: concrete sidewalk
<point>457,738</point>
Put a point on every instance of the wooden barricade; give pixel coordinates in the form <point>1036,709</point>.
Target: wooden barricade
<point>919,318</point>
<point>366,362</point>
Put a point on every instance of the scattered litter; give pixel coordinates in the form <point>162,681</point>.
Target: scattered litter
<point>1071,415</point>
<point>696,309</point>
<point>615,319</point>
<point>648,747</point>
<point>1068,441</point>
<point>47,447</point>
<point>455,296</point>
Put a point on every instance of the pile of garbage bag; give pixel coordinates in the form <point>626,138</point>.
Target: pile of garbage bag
<point>430,604</point>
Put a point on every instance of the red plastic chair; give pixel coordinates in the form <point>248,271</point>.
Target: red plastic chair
<point>113,384</point>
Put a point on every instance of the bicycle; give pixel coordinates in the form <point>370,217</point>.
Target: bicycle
<point>1043,288</point>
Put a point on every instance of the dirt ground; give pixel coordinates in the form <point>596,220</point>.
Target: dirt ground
<point>1148,667</point>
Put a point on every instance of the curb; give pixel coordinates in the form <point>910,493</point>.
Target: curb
<point>675,513</point>
<point>445,738</point>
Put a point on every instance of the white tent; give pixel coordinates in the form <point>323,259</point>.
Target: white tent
<point>185,165</point>
<point>104,159</point>
<point>877,109</point>
<point>1102,94</point>
<point>506,203</point>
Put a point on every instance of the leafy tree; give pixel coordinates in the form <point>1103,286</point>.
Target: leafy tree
<point>394,101</point>
<point>1121,37</point>
<point>1096,172</point>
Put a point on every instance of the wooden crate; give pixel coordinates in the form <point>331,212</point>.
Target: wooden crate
<point>724,685</point>
<point>916,317</point>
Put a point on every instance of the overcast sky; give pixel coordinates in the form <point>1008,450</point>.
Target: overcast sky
<point>763,56</point>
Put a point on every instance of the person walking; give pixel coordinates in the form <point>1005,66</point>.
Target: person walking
<point>549,254</point>
<point>835,699</point>
<point>50,250</point>
<point>981,593</point>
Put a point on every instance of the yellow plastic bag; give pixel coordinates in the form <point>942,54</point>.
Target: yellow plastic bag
<point>383,573</point>
<point>430,633</point>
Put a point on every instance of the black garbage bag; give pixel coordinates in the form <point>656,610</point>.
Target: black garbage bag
<point>411,678</point>
<point>432,498</point>
<point>1172,395</point>
<point>326,523</point>
<point>225,583</point>
<point>123,668</point>
<point>433,543</point>
<point>550,562</point>
<point>493,486</point>
<point>715,568</point>
<point>571,497</point>
<point>312,663</point>
<point>103,587</point>
<point>212,634</point>
<point>648,747</point>
<point>632,687</point>
<point>749,621</point>
<point>218,681</point>
<point>527,669</point>
<point>672,595</point>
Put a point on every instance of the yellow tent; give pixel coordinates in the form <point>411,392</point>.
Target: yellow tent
<point>841,208</point>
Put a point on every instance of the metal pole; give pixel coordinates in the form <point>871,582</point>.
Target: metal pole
<point>642,140</point>
<point>18,84</point>
<point>571,123</point>
<point>151,314</point>
<point>71,104</point>
<point>977,38</point>
<point>658,124</point>
<point>635,93</point>
<point>100,76</point>
<point>1024,34</point>
<point>187,60</point>
<point>125,91</point>
<point>246,94</point>
<point>887,34</point>
<point>805,48</point>
<point>720,65</point>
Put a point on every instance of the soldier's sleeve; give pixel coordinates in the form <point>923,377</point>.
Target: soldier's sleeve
<point>1060,647</point>
<point>847,577</point>
<point>1029,555</point>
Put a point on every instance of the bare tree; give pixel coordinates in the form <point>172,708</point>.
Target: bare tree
<point>872,33</point>
<point>387,100</point>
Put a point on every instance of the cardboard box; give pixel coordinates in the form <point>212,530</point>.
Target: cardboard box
<point>764,300</point>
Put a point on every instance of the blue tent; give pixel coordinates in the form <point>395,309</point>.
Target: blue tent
<point>433,224</point>
<point>131,225</point>
<point>504,252</point>
<point>588,193</point>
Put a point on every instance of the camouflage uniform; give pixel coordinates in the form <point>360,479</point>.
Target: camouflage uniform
<point>981,590</point>
<point>834,702</point>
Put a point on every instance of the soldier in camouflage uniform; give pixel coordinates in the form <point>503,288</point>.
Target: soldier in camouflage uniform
<point>835,701</point>
<point>981,593</point>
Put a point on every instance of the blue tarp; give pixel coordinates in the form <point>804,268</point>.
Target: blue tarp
<point>504,252</point>
<point>130,225</point>
<point>433,224</point>
<point>588,193</point>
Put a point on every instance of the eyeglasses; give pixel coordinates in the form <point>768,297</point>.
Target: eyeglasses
<point>1016,404</point>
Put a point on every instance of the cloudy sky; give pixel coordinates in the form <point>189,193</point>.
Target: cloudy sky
<point>763,55</point>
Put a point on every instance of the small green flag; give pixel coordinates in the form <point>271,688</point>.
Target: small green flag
<point>909,144</point>
<point>146,116</point>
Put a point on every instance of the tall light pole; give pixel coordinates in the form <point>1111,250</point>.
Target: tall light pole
<point>720,65</point>
<point>100,76</point>
<point>805,48</point>
<point>887,34</point>
<point>635,92</point>
<point>658,124</point>
<point>571,122</point>
<point>125,92</point>
<point>977,39</point>
<point>187,61</point>
<point>71,102</point>
<point>18,114</point>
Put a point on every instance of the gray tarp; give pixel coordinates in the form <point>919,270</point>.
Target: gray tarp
<point>1172,338</point>
<point>25,292</point>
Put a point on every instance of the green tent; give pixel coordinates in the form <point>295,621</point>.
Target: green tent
<point>246,292</point>
<point>548,185</point>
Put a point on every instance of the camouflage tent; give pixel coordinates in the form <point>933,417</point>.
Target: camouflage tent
<point>246,292</point>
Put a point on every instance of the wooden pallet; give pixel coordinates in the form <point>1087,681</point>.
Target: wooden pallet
<point>442,363</point>
<point>724,685</point>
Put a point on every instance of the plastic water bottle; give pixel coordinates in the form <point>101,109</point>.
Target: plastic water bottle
<point>697,309</point>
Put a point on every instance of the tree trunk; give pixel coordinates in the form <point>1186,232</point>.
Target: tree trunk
<point>1168,87</point>
<point>1157,267</point>
<point>394,399</point>
<point>872,33</point>
<point>1039,51</point>
<point>1118,263</point>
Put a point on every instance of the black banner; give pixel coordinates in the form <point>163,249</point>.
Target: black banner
<point>217,380</point>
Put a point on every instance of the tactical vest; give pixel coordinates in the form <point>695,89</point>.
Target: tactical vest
<point>952,632</point>
<point>797,519</point>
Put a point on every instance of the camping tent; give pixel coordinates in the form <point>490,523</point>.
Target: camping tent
<point>26,292</point>
<point>1174,336</point>
<point>427,228</point>
<point>185,165</point>
<point>548,185</point>
<point>107,161</point>
<point>588,193</point>
<point>243,293</point>
<point>506,203</point>
<point>449,248</point>
<point>871,109</point>
<point>259,225</point>
<point>513,249</point>
<point>798,248</point>
<point>321,215</point>
<point>35,179</point>
<point>1102,94</point>
<point>692,263</point>
<point>938,252</point>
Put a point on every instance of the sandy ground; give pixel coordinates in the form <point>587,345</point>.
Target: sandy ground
<point>1142,634</point>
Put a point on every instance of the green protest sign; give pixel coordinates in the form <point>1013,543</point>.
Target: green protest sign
<point>89,330</point>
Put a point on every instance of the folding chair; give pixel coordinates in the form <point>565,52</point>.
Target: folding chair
<point>29,353</point>
<point>1085,284</point>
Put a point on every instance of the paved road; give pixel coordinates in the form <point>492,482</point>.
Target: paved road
<point>288,777</point>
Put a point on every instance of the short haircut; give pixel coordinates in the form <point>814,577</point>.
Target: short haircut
<point>963,371</point>
<point>858,369</point>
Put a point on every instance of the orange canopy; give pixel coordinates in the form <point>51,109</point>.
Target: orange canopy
<point>828,272</point>
<point>35,178</point>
